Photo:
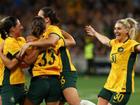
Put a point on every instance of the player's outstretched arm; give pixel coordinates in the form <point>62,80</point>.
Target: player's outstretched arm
<point>91,32</point>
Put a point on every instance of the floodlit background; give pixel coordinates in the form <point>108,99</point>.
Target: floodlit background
<point>74,15</point>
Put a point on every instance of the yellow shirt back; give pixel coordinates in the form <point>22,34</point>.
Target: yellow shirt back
<point>122,56</point>
<point>1,66</point>
<point>67,64</point>
<point>11,47</point>
<point>48,62</point>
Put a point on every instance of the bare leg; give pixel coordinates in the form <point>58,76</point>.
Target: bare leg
<point>0,101</point>
<point>102,101</point>
<point>71,96</point>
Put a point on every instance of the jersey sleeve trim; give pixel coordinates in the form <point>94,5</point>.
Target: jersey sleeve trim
<point>56,34</point>
<point>110,43</point>
<point>59,37</point>
<point>135,47</point>
<point>10,56</point>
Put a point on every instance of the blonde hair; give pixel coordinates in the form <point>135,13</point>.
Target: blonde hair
<point>132,25</point>
<point>137,36</point>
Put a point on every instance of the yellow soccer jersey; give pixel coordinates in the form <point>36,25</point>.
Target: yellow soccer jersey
<point>48,62</point>
<point>11,47</point>
<point>122,56</point>
<point>1,66</point>
<point>67,64</point>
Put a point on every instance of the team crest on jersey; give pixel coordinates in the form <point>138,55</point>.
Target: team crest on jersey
<point>120,49</point>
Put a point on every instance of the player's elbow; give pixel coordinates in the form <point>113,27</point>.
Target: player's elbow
<point>73,42</point>
<point>70,43</point>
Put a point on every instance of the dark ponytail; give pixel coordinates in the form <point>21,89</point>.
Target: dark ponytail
<point>2,31</point>
<point>6,24</point>
<point>49,12</point>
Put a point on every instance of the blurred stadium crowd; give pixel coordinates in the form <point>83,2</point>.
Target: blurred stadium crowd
<point>74,15</point>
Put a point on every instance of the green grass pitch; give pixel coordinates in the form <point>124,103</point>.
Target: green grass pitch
<point>89,87</point>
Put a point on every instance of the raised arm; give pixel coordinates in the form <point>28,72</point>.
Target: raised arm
<point>69,40</point>
<point>103,39</point>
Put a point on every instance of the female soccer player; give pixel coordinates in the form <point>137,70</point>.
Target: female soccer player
<point>68,74</point>
<point>124,50</point>
<point>12,91</point>
<point>46,70</point>
<point>68,77</point>
<point>13,78</point>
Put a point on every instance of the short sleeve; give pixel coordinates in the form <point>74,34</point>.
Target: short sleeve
<point>111,42</point>
<point>133,45</point>
<point>13,46</point>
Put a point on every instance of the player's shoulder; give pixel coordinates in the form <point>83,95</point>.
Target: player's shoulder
<point>112,42</point>
<point>9,40</point>
<point>53,27</point>
<point>21,38</point>
<point>133,41</point>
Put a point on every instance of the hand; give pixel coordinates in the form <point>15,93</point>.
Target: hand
<point>23,49</point>
<point>19,57</point>
<point>90,31</point>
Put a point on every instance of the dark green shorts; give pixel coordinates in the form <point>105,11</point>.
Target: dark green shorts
<point>68,79</point>
<point>115,98</point>
<point>44,88</point>
<point>13,94</point>
<point>0,90</point>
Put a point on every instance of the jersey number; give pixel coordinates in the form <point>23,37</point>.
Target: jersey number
<point>113,58</point>
<point>50,58</point>
<point>44,61</point>
<point>119,97</point>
